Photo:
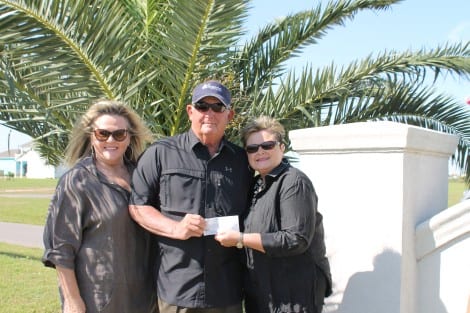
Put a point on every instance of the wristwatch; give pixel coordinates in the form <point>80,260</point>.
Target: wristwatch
<point>240,241</point>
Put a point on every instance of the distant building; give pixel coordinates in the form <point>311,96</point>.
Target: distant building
<point>7,166</point>
<point>26,162</point>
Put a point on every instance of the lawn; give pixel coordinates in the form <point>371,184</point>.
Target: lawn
<point>38,185</point>
<point>25,200</point>
<point>23,210</point>
<point>456,189</point>
<point>26,284</point>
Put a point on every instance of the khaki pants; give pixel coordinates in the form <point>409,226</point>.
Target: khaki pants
<point>168,308</point>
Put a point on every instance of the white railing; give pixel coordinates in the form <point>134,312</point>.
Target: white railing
<point>443,256</point>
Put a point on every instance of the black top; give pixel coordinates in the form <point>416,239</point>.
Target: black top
<point>89,229</point>
<point>284,212</point>
<point>177,176</point>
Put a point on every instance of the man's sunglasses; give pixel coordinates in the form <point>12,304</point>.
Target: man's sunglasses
<point>103,134</point>
<point>204,106</point>
<point>267,145</point>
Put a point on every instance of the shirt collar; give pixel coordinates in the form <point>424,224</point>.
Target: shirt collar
<point>89,163</point>
<point>278,170</point>
<point>194,141</point>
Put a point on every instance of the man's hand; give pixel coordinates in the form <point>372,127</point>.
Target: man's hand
<point>192,225</point>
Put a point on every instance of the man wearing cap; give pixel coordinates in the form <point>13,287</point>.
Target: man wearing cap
<point>178,183</point>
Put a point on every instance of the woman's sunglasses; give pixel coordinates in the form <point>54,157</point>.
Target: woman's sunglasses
<point>103,134</point>
<point>218,107</point>
<point>267,145</point>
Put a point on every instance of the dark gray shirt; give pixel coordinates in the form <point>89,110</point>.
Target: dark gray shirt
<point>284,212</point>
<point>89,229</point>
<point>177,176</point>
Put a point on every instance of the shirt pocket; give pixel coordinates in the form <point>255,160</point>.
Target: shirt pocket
<point>181,191</point>
<point>229,196</point>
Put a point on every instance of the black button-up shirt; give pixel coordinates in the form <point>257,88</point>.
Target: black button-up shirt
<point>177,176</point>
<point>284,212</point>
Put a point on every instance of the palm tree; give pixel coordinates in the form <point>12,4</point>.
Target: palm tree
<point>59,55</point>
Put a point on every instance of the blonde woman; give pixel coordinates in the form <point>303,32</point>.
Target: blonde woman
<point>102,258</point>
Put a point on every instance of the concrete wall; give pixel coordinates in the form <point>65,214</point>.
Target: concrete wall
<point>376,182</point>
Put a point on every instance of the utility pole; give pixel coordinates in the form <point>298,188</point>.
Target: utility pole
<point>9,134</point>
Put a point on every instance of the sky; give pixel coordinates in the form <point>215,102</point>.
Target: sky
<point>408,25</point>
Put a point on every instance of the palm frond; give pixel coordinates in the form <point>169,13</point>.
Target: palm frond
<point>52,66</point>
<point>57,56</point>
<point>262,58</point>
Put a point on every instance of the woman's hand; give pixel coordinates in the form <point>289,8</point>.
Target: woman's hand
<point>74,305</point>
<point>228,238</point>
<point>73,302</point>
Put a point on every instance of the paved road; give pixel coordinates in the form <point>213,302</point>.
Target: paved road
<point>21,234</point>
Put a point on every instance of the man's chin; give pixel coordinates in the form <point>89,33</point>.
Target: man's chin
<point>208,129</point>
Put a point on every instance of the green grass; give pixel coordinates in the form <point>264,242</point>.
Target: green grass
<point>26,284</point>
<point>25,183</point>
<point>456,188</point>
<point>23,210</point>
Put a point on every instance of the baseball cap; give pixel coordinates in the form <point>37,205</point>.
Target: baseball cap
<point>212,88</point>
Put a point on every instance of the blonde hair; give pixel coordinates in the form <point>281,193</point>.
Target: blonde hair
<point>263,123</point>
<point>79,144</point>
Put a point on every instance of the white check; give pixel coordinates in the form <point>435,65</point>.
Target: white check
<point>216,225</point>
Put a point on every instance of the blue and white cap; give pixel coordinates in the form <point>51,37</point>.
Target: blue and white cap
<point>212,88</point>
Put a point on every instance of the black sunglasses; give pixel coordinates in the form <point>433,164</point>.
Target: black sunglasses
<point>217,107</point>
<point>267,145</point>
<point>103,134</point>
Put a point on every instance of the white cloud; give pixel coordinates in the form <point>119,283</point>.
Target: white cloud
<point>460,33</point>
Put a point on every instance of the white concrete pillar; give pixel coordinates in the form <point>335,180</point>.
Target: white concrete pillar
<point>376,182</point>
